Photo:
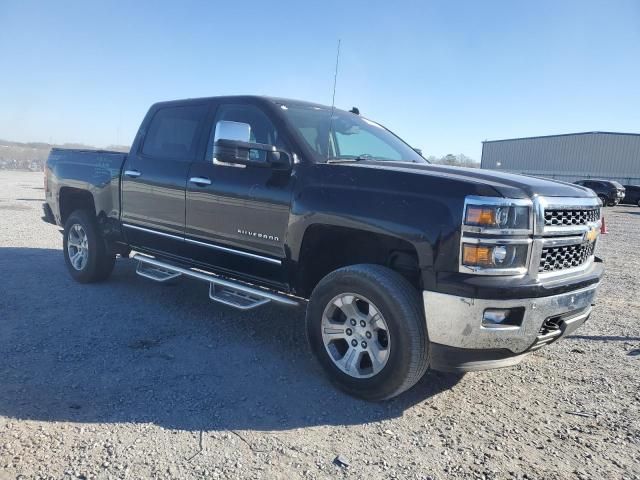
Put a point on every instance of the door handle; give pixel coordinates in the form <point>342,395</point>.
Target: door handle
<point>200,181</point>
<point>132,173</point>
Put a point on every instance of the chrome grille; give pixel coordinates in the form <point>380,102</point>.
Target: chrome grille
<point>571,217</point>
<point>561,258</point>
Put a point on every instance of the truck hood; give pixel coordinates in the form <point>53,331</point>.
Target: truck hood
<point>509,185</point>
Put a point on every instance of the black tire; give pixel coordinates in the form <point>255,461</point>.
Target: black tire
<point>100,260</point>
<point>638,203</point>
<point>604,200</point>
<point>400,305</point>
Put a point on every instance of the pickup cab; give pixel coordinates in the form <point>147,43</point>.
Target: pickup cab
<point>402,265</point>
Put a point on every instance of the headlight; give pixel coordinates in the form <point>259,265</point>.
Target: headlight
<point>496,235</point>
<point>497,217</point>
<point>494,256</point>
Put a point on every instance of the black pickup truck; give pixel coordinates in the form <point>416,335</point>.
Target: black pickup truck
<point>402,265</point>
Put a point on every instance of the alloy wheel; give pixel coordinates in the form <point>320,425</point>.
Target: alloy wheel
<point>78,247</point>
<point>355,335</point>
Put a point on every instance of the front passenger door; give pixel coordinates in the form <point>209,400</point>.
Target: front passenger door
<point>236,215</point>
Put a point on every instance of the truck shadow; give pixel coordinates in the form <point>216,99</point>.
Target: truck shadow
<point>129,350</point>
<point>605,338</point>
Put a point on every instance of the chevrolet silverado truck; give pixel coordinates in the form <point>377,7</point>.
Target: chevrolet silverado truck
<point>402,265</point>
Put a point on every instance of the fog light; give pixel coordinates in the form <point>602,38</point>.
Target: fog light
<point>502,317</point>
<point>495,316</point>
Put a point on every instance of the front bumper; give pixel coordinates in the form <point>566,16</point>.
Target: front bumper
<point>460,342</point>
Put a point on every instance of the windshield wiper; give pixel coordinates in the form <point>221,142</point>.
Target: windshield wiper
<point>360,158</point>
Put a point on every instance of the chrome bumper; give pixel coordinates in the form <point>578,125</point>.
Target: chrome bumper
<point>456,322</point>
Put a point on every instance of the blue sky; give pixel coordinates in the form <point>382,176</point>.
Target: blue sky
<point>444,75</point>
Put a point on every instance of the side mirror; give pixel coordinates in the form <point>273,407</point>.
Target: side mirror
<point>231,144</point>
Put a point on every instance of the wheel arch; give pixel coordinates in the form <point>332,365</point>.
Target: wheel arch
<point>326,247</point>
<point>71,199</point>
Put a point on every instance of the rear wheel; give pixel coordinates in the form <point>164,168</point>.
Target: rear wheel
<point>86,254</point>
<point>366,327</point>
<point>604,200</point>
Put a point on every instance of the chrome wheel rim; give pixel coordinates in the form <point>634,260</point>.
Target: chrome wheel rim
<point>77,247</point>
<point>355,335</point>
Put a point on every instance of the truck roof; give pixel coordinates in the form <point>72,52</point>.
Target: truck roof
<point>241,98</point>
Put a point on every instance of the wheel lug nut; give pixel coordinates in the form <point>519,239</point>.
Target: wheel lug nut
<point>364,344</point>
<point>349,331</point>
<point>353,322</point>
<point>363,323</point>
<point>354,342</point>
<point>368,334</point>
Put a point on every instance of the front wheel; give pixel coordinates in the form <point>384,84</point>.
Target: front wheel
<point>366,327</point>
<point>86,254</point>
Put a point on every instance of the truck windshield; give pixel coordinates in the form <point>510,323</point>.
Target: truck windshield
<point>347,137</point>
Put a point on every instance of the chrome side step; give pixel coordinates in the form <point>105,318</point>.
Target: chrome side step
<point>227,292</point>
<point>157,274</point>
<point>235,298</point>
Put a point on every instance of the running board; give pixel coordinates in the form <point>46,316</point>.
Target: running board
<point>157,274</point>
<point>227,292</point>
<point>235,298</point>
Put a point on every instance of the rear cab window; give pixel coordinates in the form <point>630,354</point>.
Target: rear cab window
<point>174,132</point>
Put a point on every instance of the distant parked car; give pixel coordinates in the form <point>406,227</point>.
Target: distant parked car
<point>632,195</point>
<point>610,193</point>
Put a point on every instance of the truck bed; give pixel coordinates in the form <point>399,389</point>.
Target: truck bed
<point>94,171</point>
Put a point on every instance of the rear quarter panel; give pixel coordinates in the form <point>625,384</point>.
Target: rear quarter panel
<point>95,172</point>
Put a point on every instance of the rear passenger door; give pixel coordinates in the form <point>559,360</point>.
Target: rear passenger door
<point>154,177</point>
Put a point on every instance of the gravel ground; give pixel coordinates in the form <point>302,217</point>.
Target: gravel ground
<point>129,379</point>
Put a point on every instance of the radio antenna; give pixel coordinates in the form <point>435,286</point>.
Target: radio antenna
<point>333,99</point>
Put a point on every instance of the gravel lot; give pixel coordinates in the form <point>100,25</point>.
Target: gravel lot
<point>130,379</point>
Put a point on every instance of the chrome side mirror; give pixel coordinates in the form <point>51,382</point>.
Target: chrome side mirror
<point>236,131</point>
<point>232,145</point>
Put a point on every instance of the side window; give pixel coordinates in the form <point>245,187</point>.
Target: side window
<point>262,128</point>
<point>173,132</point>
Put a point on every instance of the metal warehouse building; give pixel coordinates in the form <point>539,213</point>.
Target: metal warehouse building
<point>569,157</point>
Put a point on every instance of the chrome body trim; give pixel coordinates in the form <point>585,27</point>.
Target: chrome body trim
<point>497,241</point>
<point>457,321</point>
<point>155,232</point>
<point>255,256</point>
<point>132,173</point>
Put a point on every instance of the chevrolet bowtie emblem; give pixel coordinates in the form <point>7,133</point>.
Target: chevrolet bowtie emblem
<point>591,235</point>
